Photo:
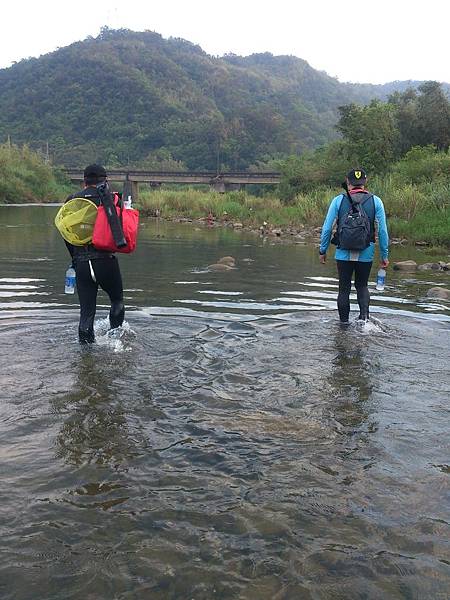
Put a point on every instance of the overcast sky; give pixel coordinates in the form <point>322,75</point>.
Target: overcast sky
<point>353,40</point>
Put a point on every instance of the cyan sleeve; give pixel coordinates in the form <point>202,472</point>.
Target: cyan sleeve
<point>383,236</point>
<point>327,226</point>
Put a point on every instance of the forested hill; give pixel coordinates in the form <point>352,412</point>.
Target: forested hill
<point>139,99</point>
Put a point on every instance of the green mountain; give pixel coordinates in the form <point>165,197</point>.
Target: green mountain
<point>137,98</point>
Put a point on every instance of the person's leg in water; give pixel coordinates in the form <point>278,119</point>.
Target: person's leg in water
<point>345,272</point>
<point>362,272</point>
<point>107,273</point>
<point>87,294</point>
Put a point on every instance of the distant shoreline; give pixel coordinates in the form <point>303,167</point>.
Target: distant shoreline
<point>31,204</point>
<point>294,235</point>
<point>260,224</point>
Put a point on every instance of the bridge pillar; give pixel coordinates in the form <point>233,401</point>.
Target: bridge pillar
<point>218,186</point>
<point>221,187</point>
<point>135,190</point>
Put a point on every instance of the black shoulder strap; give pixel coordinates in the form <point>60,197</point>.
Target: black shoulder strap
<point>367,198</point>
<point>107,200</point>
<point>349,196</point>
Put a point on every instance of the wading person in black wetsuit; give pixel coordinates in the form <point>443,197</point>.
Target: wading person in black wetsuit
<point>355,240</point>
<point>95,268</point>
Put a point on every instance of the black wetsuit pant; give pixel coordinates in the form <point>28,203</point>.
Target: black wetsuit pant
<point>346,268</point>
<point>106,274</point>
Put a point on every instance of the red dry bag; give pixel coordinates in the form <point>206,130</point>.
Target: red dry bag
<point>102,238</point>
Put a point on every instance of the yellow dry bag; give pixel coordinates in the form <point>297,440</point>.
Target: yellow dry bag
<point>75,221</point>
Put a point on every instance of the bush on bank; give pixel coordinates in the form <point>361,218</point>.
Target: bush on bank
<point>26,177</point>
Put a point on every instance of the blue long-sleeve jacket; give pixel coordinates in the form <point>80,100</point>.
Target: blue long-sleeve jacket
<point>364,255</point>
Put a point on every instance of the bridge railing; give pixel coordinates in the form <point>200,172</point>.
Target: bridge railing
<point>177,175</point>
<point>221,182</point>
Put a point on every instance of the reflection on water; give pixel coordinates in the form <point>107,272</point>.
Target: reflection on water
<point>92,415</point>
<point>231,440</point>
<point>350,379</point>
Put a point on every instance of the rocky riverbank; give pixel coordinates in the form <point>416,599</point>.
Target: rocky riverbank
<point>300,234</point>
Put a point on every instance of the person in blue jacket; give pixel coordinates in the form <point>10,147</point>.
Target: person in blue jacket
<point>350,262</point>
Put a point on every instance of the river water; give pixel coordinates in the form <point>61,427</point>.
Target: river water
<point>231,441</point>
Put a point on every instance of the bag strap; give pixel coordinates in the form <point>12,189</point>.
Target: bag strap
<point>365,199</point>
<point>117,200</point>
<point>108,201</point>
<point>361,205</point>
<point>349,196</point>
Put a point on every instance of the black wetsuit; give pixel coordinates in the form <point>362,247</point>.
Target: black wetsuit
<point>362,271</point>
<point>95,268</point>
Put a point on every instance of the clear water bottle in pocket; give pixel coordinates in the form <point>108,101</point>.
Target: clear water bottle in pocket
<point>381,279</point>
<point>69,287</point>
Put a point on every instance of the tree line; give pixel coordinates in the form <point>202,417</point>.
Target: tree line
<point>376,136</point>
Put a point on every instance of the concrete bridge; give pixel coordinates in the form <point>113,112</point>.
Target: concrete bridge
<point>220,182</point>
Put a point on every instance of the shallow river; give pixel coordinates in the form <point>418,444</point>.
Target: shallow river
<point>231,442</point>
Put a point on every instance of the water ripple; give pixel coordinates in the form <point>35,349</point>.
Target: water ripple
<point>234,444</point>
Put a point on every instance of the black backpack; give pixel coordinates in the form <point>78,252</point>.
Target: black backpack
<point>355,230</point>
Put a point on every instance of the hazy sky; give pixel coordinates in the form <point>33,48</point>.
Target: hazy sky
<point>353,40</point>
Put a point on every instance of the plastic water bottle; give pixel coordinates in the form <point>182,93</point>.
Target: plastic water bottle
<point>127,203</point>
<point>381,278</point>
<point>70,281</point>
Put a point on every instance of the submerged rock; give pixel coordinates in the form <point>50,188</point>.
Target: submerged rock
<point>220,267</point>
<point>405,265</point>
<point>439,292</point>
<point>227,260</point>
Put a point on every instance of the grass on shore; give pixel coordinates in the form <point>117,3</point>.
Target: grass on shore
<point>26,177</point>
<point>414,212</point>
<point>232,206</point>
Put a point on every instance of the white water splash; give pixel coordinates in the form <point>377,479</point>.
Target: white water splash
<point>117,339</point>
<point>373,325</point>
